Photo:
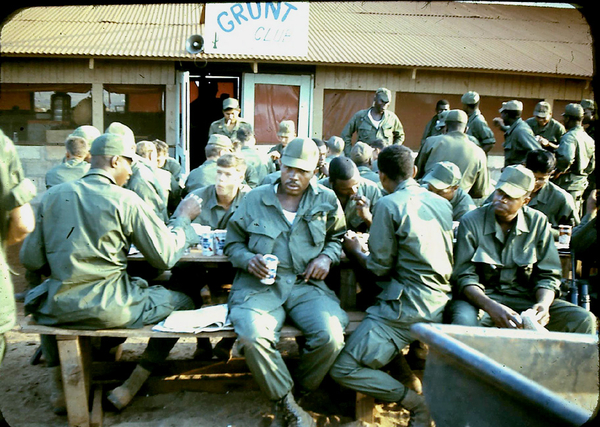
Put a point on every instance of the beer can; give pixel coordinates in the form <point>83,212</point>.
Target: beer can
<point>206,240</point>
<point>219,240</point>
<point>564,237</point>
<point>271,261</point>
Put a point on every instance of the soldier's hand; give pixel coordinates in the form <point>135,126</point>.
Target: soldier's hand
<point>498,122</point>
<point>275,155</point>
<point>318,268</point>
<point>258,267</point>
<point>189,207</point>
<point>543,313</point>
<point>505,317</point>
<point>362,208</point>
<point>350,243</point>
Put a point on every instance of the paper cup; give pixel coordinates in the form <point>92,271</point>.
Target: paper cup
<point>271,261</point>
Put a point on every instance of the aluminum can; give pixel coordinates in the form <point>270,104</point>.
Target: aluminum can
<point>271,261</point>
<point>564,237</point>
<point>219,241</point>
<point>206,240</point>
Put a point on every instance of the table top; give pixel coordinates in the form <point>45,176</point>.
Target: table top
<point>191,255</point>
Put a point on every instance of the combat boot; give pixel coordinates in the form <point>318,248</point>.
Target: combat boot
<point>279,412</point>
<point>294,414</point>
<point>57,392</point>
<point>122,395</point>
<point>419,413</point>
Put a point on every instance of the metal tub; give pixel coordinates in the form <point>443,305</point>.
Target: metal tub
<point>488,377</point>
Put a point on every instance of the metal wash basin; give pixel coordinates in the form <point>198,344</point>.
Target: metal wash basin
<point>488,377</point>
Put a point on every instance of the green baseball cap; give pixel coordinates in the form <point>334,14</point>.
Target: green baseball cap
<point>111,144</point>
<point>301,153</point>
<point>87,132</point>
<point>123,130</point>
<point>443,175</point>
<point>287,128</point>
<point>361,152</point>
<point>385,94</point>
<point>230,103</point>
<point>335,143</point>
<point>542,109</point>
<point>516,181</point>
<point>456,116</point>
<point>574,110</point>
<point>470,98</point>
<point>220,141</point>
<point>588,104</point>
<point>513,105</point>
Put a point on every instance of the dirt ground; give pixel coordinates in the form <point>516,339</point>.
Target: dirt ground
<point>24,393</point>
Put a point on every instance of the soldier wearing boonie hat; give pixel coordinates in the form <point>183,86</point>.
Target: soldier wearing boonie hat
<point>302,224</point>
<point>231,121</point>
<point>444,179</point>
<point>518,138</point>
<point>506,262</point>
<point>477,125</point>
<point>545,126</point>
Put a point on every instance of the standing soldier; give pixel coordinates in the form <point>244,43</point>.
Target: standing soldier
<point>476,125</point>
<point>231,120</point>
<point>518,138</point>
<point>433,127</point>
<point>545,127</point>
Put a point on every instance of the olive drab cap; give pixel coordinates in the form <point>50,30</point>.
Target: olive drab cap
<point>335,143</point>
<point>123,130</point>
<point>542,109</point>
<point>230,103</point>
<point>470,98</point>
<point>287,128</point>
<point>301,153</point>
<point>456,116</point>
<point>588,104</point>
<point>384,93</point>
<point>513,105</point>
<point>516,181</point>
<point>361,152</point>
<point>574,110</point>
<point>443,175</point>
<point>220,140</point>
<point>111,144</point>
<point>87,132</point>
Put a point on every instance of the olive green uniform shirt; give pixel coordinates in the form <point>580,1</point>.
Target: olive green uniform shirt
<point>477,126</point>
<point>83,233</point>
<point>456,147</point>
<point>15,191</point>
<point>206,174</point>
<point>259,226</point>
<point>553,130</point>
<point>517,264</point>
<point>220,128</point>
<point>213,215</point>
<point>367,173</point>
<point>69,170</point>
<point>518,141</point>
<point>390,130</point>
<point>576,156</point>
<point>144,183</point>
<point>461,204</point>
<point>261,164</point>
<point>431,129</point>
<point>410,245</point>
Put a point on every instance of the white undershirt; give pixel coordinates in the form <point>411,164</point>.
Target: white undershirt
<point>375,122</point>
<point>290,216</point>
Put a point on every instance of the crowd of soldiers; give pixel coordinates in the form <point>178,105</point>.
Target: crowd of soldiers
<point>444,243</point>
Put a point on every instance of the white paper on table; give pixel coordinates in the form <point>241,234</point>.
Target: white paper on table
<point>206,319</point>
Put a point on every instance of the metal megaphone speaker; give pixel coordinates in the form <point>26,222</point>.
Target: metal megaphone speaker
<point>194,44</point>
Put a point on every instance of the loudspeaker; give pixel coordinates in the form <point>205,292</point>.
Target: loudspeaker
<point>194,44</point>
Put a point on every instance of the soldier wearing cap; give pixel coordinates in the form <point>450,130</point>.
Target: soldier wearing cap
<point>518,138</point>
<point>410,244</point>
<point>590,116</point>
<point>231,120</point>
<point>434,126</point>
<point>477,125</point>
<point>302,223</point>
<point>444,180</point>
<point>83,234</point>
<point>545,126</point>
<point>455,146</point>
<point>206,173</point>
<point>286,132</point>
<point>575,156</point>
<point>373,123</point>
<point>505,262</point>
<point>362,156</point>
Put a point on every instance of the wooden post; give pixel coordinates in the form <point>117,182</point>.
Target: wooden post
<point>74,355</point>
<point>365,408</point>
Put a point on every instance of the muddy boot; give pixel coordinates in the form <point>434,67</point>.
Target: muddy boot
<point>279,412</point>
<point>419,413</point>
<point>400,370</point>
<point>294,414</point>
<point>57,392</point>
<point>122,395</point>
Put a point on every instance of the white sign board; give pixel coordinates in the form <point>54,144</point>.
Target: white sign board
<point>271,28</point>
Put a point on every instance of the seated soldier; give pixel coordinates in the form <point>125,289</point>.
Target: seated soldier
<point>506,262</point>
<point>444,180</point>
<point>362,155</point>
<point>83,234</point>
<point>302,224</point>
<point>147,151</point>
<point>410,245</point>
<point>219,202</point>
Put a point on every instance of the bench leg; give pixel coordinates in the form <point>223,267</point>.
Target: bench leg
<point>75,355</point>
<point>365,408</point>
<point>97,415</point>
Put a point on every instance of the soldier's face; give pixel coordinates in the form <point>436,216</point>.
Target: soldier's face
<point>228,180</point>
<point>379,104</point>
<point>542,121</point>
<point>447,193</point>
<point>346,188</point>
<point>231,115</point>
<point>295,181</point>
<point>506,207</point>
<point>541,179</point>
<point>122,170</point>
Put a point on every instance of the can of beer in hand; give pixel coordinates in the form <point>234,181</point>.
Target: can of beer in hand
<point>219,241</point>
<point>271,261</point>
<point>564,237</point>
<point>206,240</point>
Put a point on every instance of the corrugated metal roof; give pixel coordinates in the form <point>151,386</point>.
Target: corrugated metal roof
<point>412,34</point>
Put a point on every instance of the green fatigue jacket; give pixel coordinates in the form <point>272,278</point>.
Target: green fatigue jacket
<point>553,130</point>
<point>69,170</point>
<point>213,215</point>
<point>410,244</point>
<point>219,127</point>
<point>431,129</point>
<point>575,156</point>
<point>261,164</point>
<point>15,191</point>
<point>518,264</point>
<point>206,174</point>
<point>477,126</point>
<point>367,173</point>
<point>259,226</point>
<point>144,183</point>
<point>390,129</point>
<point>83,232</point>
<point>366,188</point>
<point>456,147</point>
<point>518,141</point>
<point>174,167</point>
<point>461,204</point>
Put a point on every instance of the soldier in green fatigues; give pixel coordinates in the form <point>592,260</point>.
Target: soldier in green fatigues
<point>410,245</point>
<point>231,121</point>
<point>506,262</point>
<point>545,126</point>
<point>518,138</point>
<point>575,156</point>
<point>286,132</point>
<point>477,125</point>
<point>83,234</point>
<point>206,173</point>
<point>374,123</point>
<point>456,147</point>
<point>301,223</point>
<point>172,166</point>
<point>444,180</point>
<point>262,164</point>
<point>16,221</point>
<point>362,156</point>
<point>433,128</point>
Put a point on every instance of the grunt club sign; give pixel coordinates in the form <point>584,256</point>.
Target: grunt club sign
<point>271,28</point>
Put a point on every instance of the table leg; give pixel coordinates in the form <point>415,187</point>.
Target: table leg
<point>75,358</point>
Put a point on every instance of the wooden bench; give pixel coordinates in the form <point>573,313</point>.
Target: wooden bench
<point>74,347</point>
